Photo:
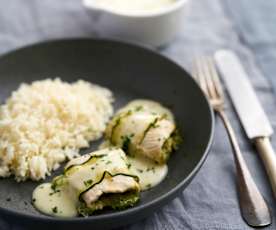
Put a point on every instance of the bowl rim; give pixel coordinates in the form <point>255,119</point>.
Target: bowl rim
<point>135,209</point>
<point>173,7</point>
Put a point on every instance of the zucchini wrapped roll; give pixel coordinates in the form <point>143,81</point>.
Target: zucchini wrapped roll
<point>96,181</point>
<point>100,180</point>
<point>146,128</point>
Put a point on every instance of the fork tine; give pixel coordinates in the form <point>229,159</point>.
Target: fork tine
<point>208,78</point>
<point>215,77</point>
<point>198,75</point>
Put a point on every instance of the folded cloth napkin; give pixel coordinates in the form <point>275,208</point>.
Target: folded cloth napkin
<point>247,27</point>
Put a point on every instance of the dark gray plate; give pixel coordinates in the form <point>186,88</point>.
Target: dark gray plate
<point>131,72</point>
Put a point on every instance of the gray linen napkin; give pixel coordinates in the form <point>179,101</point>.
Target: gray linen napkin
<point>210,202</point>
<point>256,26</point>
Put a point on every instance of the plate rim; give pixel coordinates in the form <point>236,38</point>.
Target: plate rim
<point>136,209</point>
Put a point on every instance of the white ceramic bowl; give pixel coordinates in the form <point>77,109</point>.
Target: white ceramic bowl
<point>154,29</point>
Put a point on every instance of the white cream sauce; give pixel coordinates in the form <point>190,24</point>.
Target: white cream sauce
<point>150,174</point>
<point>63,204</point>
<point>54,203</point>
<point>132,6</point>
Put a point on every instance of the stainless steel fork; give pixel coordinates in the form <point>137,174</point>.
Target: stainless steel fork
<point>252,204</point>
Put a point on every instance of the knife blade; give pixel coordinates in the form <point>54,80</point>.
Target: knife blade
<point>248,108</point>
<point>247,105</point>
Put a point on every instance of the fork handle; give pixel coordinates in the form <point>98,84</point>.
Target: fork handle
<point>252,204</point>
<point>268,157</point>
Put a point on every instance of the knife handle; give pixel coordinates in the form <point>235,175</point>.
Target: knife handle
<point>268,157</point>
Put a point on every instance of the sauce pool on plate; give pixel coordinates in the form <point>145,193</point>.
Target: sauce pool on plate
<point>54,203</point>
<point>150,174</point>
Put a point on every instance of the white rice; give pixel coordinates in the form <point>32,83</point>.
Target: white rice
<point>44,123</point>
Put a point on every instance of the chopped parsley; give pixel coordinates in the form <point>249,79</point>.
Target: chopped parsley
<point>151,169</point>
<point>55,209</point>
<point>55,191</point>
<point>126,142</point>
<point>151,125</point>
<point>90,129</point>
<point>33,200</point>
<point>138,108</point>
<point>155,125</point>
<point>88,182</point>
<point>122,158</point>
<point>148,185</point>
<point>108,162</point>
<point>128,165</point>
<point>140,170</point>
<point>92,168</point>
<point>164,116</point>
<point>129,112</point>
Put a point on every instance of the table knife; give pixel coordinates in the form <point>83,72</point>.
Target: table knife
<point>249,109</point>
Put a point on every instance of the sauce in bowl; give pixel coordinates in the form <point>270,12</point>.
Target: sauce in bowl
<point>133,6</point>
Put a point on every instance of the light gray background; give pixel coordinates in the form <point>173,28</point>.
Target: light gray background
<point>246,26</point>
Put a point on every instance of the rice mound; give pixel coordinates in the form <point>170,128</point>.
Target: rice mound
<point>46,122</point>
